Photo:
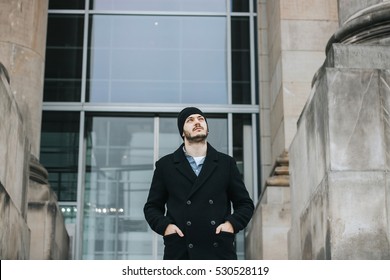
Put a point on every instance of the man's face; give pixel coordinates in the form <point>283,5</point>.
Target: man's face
<point>195,128</point>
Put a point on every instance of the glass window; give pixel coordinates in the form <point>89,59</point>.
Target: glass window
<point>63,58</point>
<point>59,152</point>
<point>69,212</point>
<point>157,59</point>
<point>66,4</point>
<point>243,153</point>
<point>240,6</point>
<point>119,168</point>
<point>159,5</point>
<point>241,85</point>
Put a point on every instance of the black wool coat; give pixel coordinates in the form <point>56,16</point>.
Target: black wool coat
<point>197,205</point>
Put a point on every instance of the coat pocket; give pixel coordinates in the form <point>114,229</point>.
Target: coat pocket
<point>175,247</point>
<point>225,245</point>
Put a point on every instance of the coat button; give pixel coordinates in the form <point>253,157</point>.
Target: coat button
<point>211,201</point>
<point>215,244</point>
<point>188,202</point>
<point>212,223</point>
<point>190,246</point>
<point>188,223</point>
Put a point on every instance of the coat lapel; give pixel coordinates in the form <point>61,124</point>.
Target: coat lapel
<point>183,166</point>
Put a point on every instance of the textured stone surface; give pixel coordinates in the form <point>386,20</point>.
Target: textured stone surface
<point>51,240</point>
<point>14,232</point>
<point>358,56</point>
<point>355,125</point>
<point>41,223</point>
<point>267,236</point>
<point>338,168</point>
<point>347,8</point>
<point>313,9</point>
<point>358,216</point>
<point>22,50</point>
<point>14,149</point>
<point>384,91</point>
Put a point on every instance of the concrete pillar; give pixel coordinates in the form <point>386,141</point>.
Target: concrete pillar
<point>22,51</point>
<point>49,237</point>
<point>348,8</point>
<point>14,158</point>
<point>32,227</point>
<point>339,159</point>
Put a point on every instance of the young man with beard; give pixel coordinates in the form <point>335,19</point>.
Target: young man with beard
<point>197,200</point>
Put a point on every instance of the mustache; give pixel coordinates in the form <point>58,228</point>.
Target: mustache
<point>198,127</point>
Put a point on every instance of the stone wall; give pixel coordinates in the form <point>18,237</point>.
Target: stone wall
<point>23,25</point>
<point>14,156</point>
<point>31,224</point>
<point>292,39</point>
<point>32,227</point>
<point>340,161</point>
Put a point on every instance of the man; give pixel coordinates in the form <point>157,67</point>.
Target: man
<point>191,194</point>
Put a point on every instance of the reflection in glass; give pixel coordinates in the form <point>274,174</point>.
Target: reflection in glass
<point>241,86</point>
<point>69,212</point>
<point>119,167</point>
<point>240,6</point>
<point>159,5</point>
<point>63,58</point>
<point>66,4</point>
<point>157,59</point>
<point>59,152</point>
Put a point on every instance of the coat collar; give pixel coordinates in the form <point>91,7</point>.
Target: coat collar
<point>184,167</point>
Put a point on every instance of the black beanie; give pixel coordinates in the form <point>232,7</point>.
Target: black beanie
<point>184,114</point>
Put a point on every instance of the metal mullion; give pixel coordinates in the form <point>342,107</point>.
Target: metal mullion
<point>252,53</point>
<point>167,108</point>
<point>82,144</point>
<point>85,52</point>
<point>72,12</point>
<point>145,107</point>
<point>253,58</point>
<point>229,52</point>
<point>80,187</point>
<point>230,133</point>
<point>62,106</point>
<point>155,13</point>
<point>254,159</point>
<point>156,149</point>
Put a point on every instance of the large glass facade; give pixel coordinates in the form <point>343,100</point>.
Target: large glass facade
<point>157,59</point>
<point>117,74</point>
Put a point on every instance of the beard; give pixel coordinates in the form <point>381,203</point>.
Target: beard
<point>198,138</point>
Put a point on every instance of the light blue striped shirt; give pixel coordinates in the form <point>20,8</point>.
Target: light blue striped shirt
<point>196,167</point>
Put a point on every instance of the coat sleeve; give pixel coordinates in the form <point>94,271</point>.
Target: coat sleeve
<point>154,209</point>
<point>243,206</point>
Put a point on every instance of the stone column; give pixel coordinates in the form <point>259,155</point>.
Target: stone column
<point>348,8</point>
<point>32,226</point>
<point>14,157</point>
<point>22,51</point>
<point>339,159</point>
<point>49,237</point>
